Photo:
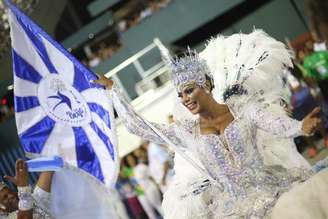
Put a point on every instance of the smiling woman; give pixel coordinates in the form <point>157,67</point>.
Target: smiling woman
<point>222,135</point>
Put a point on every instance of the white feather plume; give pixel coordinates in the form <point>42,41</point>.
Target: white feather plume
<point>254,60</point>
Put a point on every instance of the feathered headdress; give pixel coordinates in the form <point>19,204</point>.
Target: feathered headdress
<point>246,64</point>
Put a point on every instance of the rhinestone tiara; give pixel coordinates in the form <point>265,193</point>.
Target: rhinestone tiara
<point>189,68</point>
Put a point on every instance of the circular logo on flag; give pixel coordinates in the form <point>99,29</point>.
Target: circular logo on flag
<point>62,102</point>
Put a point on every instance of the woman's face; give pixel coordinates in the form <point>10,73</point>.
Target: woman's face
<point>130,159</point>
<point>194,98</point>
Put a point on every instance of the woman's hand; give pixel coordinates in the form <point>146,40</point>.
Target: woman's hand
<point>102,80</point>
<point>311,122</point>
<point>21,178</point>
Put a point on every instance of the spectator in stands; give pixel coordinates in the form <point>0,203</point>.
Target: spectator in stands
<point>122,25</point>
<point>303,102</point>
<point>132,162</point>
<point>128,194</point>
<point>317,12</point>
<point>145,180</point>
<point>94,61</point>
<point>24,204</point>
<point>159,164</point>
<point>316,67</point>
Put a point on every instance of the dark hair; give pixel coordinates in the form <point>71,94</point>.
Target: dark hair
<point>123,162</point>
<point>126,163</point>
<point>210,80</point>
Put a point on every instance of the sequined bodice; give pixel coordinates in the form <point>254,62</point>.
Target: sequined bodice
<point>230,152</point>
<point>233,158</point>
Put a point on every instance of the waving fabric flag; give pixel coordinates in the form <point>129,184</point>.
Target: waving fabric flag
<point>58,111</point>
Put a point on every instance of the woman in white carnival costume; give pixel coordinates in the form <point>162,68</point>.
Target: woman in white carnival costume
<point>230,96</point>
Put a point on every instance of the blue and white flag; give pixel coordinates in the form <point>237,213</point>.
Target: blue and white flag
<point>59,112</point>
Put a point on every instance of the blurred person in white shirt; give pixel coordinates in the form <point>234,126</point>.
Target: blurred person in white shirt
<point>146,181</point>
<point>159,164</point>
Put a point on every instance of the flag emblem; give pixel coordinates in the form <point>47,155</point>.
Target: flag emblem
<point>62,102</point>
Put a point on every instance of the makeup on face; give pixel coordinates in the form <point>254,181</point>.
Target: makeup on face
<point>190,97</point>
<point>187,90</point>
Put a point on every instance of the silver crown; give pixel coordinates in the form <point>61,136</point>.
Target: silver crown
<point>189,69</point>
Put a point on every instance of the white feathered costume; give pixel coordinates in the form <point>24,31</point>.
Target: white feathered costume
<point>243,59</point>
<point>240,59</point>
